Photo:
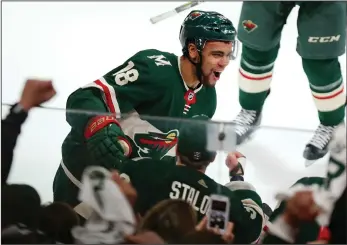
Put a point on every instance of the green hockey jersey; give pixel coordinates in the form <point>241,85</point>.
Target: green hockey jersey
<point>147,84</point>
<point>159,180</point>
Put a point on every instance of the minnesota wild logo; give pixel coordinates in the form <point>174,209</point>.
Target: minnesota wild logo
<point>249,25</point>
<point>155,145</point>
<point>195,15</point>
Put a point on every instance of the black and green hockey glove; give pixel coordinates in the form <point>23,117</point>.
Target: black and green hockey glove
<point>107,145</point>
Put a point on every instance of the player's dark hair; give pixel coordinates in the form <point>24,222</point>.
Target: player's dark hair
<point>185,48</point>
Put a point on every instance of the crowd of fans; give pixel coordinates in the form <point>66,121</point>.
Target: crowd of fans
<point>24,219</point>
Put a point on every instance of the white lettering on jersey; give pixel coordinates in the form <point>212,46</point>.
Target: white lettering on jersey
<point>191,195</point>
<point>127,74</point>
<point>159,60</point>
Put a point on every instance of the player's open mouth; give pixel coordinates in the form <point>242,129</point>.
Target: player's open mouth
<point>217,74</point>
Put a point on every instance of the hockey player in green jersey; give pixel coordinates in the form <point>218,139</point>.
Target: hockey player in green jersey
<point>321,40</point>
<point>150,83</point>
<point>156,181</point>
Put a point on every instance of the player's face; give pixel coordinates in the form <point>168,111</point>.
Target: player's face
<point>215,58</point>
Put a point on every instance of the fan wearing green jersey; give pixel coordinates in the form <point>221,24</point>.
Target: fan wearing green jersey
<point>156,180</point>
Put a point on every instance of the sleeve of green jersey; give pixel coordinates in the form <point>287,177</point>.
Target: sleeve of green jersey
<point>84,99</point>
<point>137,81</point>
<point>252,204</point>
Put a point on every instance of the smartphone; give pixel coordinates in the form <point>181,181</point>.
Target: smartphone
<point>218,213</point>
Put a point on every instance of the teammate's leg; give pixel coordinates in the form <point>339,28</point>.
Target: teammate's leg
<point>322,39</point>
<point>259,30</point>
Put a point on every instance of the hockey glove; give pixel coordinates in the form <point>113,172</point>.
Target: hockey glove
<point>106,143</point>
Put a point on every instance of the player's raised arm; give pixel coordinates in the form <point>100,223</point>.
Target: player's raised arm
<point>253,213</point>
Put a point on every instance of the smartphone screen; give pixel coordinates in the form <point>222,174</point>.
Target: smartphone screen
<point>217,214</point>
<point>219,205</point>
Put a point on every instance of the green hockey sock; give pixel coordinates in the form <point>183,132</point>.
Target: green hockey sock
<point>327,88</point>
<point>255,76</point>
